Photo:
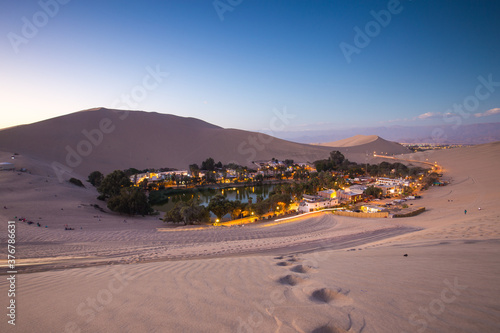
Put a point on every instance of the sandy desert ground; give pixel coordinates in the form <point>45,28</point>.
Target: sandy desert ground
<point>319,274</point>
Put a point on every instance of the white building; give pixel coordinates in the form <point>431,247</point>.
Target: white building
<point>393,182</point>
<point>389,189</point>
<point>372,209</point>
<point>329,194</point>
<point>313,202</point>
<point>356,188</point>
<point>156,176</point>
<point>351,194</point>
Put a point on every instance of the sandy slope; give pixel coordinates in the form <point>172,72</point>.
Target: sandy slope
<point>350,282</point>
<point>360,148</point>
<point>374,290</point>
<point>105,140</point>
<point>352,141</point>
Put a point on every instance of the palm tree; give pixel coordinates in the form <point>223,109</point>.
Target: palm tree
<point>236,209</point>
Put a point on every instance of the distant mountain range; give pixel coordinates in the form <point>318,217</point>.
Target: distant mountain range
<point>444,134</point>
<point>105,140</point>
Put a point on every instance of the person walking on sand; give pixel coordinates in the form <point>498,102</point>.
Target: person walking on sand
<point>465,212</point>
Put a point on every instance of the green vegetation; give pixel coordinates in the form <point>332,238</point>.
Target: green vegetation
<point>122,197</point>
<point>188,212</point>
<point>261,207</point>
<point>237,208</point>
<point>113,183</point>
<point>208,164</point>
<point>76,182</point>
<point>373,191</point>
<point>195,170</point>
<point>430,179</point>
<point>338,163</point>
<point>220,206</point>
<point>332,173</point>
<point>131,201</point>
<point>407,190</point>
<point>95,178</point>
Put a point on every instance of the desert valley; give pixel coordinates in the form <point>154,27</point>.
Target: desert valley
<point>233,166</point>
<point>313,273</point>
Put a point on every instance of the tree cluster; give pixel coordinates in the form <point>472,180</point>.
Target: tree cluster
<point>122,197</point>
<point>210,165</point>
<point>131,201</point>
<point>220,206</point>
<point>188,212</point>
<point>95,178</point>
<point>337,162</point>
<point>373,191</point>
<point>430,179</point>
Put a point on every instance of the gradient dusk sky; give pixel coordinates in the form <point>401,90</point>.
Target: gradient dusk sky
<point>232,62</point>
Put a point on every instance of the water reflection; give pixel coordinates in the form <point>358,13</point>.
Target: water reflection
<point>242,194</point>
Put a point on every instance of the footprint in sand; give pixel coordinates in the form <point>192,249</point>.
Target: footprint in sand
<point>329,329</point>
<point>302,269</point>
<point>356,323</point>
<point>294,258</point>
<point>284,263</point>
<point>336,297</point>
<point>291,280</point>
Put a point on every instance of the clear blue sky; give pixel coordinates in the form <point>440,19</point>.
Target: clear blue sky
<point>263,55</point>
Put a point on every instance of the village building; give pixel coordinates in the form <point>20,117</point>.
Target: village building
<point>390,189</point>
<point>352,194</point>
<point>329,194</point>
<point>311,203</point>
<point>393,182</point>
<point>372,209</point>
<point>156,176</point>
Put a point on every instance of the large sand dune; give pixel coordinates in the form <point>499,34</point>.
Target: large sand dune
<point>105,140</point>
<point>319,274</point>
<point>352,141</point>
<point>360,148</point>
